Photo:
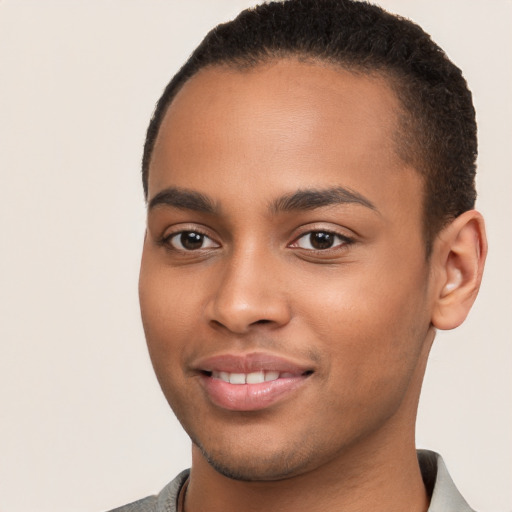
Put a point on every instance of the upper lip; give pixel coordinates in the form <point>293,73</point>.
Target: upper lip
<point>247,363</point>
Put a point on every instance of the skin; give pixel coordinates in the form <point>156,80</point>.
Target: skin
<point>360,315</point>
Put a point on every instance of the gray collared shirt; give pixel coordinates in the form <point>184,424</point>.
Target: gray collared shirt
<point>445,496</point>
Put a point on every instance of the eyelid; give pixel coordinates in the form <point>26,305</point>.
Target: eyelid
<point>170,233</point>
<point>177,236</point>
<point>308,230</point>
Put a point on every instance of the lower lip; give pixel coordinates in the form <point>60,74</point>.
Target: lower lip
<point>250,397</point>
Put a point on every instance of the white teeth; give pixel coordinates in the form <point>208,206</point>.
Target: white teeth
<point>237,378</point>
<point>248,378</point>
<point>271,376</point>
<point>255,378</point>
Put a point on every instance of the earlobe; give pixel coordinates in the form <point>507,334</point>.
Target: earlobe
<point>459,254</point>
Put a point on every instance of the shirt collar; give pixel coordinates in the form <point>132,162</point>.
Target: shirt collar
<point>445,496</point>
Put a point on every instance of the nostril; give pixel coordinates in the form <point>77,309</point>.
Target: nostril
<point>261,322</point>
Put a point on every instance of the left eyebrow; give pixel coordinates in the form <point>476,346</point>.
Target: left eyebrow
<point>310,199</point>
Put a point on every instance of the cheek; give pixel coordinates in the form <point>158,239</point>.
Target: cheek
<point>374,348</point>
<point>164,311</point>
<point>165,319</point>
<point>168,296</point>
<point>373,325</point>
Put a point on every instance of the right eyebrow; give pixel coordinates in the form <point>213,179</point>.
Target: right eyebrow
<point>183,199</point>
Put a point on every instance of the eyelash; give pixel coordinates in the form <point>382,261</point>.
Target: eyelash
<point>338,241</point>
<point>167,240</point>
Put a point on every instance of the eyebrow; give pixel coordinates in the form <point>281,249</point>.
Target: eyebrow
<point>310,199</point>
<point>183,199</point>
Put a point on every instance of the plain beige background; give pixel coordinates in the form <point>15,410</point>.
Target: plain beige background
<point>83,425</point>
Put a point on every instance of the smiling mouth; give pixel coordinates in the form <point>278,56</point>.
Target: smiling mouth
<point>257,377</point>
<point>250,382</point>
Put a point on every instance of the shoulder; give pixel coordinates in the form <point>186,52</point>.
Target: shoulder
<point>165,501</point>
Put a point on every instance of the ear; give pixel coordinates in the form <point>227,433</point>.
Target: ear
<point>458,259</point>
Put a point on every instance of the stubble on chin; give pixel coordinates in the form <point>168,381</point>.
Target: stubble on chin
<point>270,468</point>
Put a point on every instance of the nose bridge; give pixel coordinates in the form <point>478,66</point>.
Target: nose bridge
<point>247,291</point>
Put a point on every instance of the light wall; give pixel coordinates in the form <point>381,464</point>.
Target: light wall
<point>83,424</point>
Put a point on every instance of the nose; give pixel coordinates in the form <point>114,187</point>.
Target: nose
<point>249,292</point>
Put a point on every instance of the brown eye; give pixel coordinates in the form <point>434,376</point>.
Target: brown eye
<point>320,240</point>
<point>191,241</point>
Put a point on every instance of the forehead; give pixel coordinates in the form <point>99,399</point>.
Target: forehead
<point>288,122</point>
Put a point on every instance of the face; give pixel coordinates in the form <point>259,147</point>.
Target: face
<point>284,287</point>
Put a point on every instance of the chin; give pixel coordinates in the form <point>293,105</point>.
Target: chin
<point>250,467</point>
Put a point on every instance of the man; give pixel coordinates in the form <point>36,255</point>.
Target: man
<point>309,174</point>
